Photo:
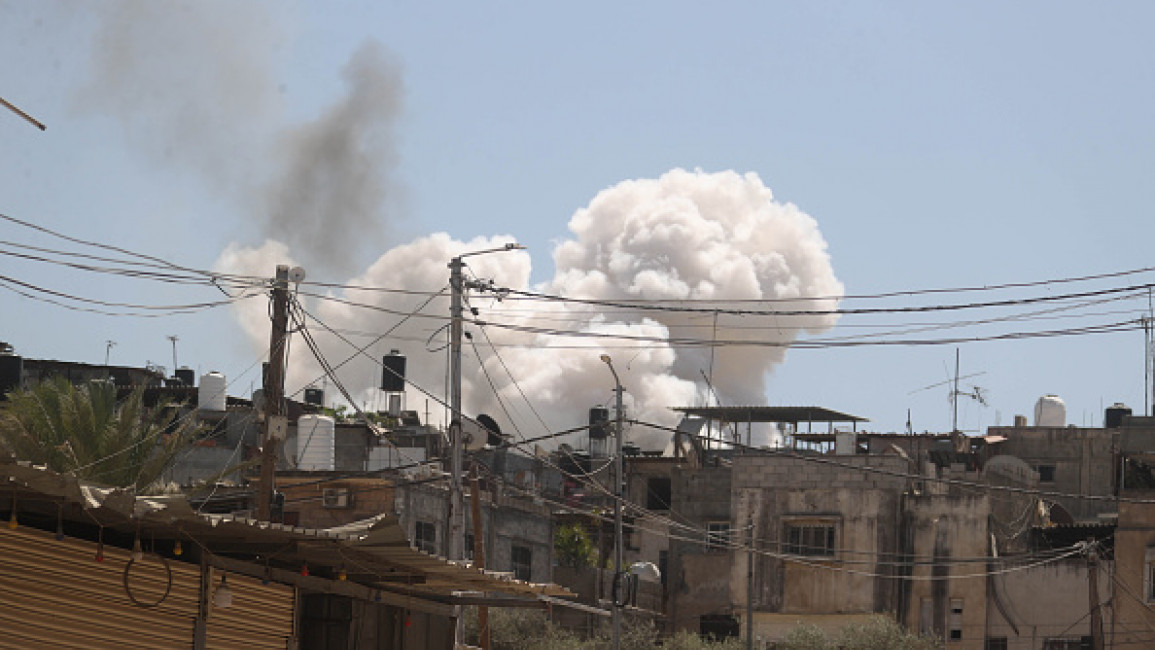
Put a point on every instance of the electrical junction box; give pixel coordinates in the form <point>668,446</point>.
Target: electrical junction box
<point>278,427</point>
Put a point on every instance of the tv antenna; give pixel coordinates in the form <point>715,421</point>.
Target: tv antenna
<point>977,393</point>
<point>174,338</point>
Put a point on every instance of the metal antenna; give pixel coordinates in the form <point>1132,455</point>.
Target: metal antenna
<point>174,339</point>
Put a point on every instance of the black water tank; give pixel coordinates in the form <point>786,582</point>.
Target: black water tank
<point>186,376</point>
<point>11,373</point>
<point>315,396</point>
<point>599,423</point>
<point>1113,419</point>
<point>393,372</point>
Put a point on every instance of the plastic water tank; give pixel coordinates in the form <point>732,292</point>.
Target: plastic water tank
<point>1050,411</point>
<point>1113,418</point>
<point>211,393</point>
<point>315,441</point>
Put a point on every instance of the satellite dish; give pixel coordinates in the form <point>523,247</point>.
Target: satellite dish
<point>473,435</point>
<point>297,275</point>
<point>494,437</point>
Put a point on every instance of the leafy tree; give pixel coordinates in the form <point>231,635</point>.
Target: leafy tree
<point>573,547</point>
<point>83,430</point>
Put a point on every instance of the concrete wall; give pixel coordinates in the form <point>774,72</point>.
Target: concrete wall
<point>1084,461</point>
<point>944,535</point>
<point>1134,620</point>
<point>864,506</point>
<point>1029,606</point>
<point>697,578</point>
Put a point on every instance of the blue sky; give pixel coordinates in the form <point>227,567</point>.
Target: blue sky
<point>936,145</point>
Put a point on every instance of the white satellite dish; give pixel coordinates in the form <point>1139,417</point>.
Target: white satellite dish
<point>473,435</point>
<point>297,275</point>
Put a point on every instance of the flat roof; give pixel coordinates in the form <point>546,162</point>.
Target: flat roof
<point>791,414</point>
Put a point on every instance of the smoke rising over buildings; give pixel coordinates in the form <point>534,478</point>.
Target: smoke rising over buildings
<point>688,235</point>
<point>201,96</point>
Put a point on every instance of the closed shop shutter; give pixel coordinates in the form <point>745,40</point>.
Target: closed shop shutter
<point>56,595</point>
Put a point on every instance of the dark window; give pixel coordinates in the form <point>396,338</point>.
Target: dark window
<point>718,536</point>
<point>658,493</point>
<point>521,557</point>
<point>425,536</point>
<point>325,621</point>
<point>469,543</point>
<point>718,626</point>
<point>1046,473</point>
<point>810,539</point>
<point>996,643</point>
<point>956,611</point>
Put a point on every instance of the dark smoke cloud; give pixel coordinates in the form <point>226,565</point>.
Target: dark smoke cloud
<point>335,173</point>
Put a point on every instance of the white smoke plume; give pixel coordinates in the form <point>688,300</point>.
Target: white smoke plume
<point>684,236</point>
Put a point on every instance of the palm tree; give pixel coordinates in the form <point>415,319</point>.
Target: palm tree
<point>83,431</point>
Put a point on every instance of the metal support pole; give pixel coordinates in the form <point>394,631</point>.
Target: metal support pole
<point>750,583</point>
<point>619,494</point>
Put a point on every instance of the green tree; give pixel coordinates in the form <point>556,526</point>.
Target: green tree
<point>83,430</point>
<point>573,547</point>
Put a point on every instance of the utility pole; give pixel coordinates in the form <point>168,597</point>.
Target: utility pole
<point>456,542</point>
<point>619,494</point>
<point>479,555</point>
<point>1093,596</point>
<point>750,581</point>
<point>274,425</point>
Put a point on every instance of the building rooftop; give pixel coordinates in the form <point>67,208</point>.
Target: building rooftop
<point>784,414</point>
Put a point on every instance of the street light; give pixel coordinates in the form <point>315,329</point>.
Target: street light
<point>619,484</point>
<point>456,538</point>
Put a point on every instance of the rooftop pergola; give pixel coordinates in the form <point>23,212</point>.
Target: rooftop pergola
<point>794,415</point>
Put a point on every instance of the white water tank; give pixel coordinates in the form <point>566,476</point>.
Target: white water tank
<point>315,440</point>
<point>211,392</point>
<point>1050,411</point>
<point>845,443</point>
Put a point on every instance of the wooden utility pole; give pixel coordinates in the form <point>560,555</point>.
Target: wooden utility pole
<point>479,556</point>
<point>1093,596</point>
<point>275,424</point>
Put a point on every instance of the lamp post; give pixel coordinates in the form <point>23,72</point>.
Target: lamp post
<point>456,538</point>
<point>619,484</point>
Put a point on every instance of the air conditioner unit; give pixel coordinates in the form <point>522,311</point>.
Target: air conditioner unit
<point>336,498</point>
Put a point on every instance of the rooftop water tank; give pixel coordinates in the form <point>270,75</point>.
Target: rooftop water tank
<point>393,372</point>
<point>1113,418</point>
<point>315,396</point>
<point>211,394</point>
<point>316,436</point>
<point>186,376</point>
<point>1050,411</point>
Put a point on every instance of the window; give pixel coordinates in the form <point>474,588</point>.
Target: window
<point>718,535</point>
<point>521,557</point>
<point>956,610</point>
<point>658,493</point>
<point>996,643</point>
<point>325,621</point>
<point>469,543</point>
<point>337,497</point>
<point>1046,473</point>
<point>425,537</point>
<point>810,538</point>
